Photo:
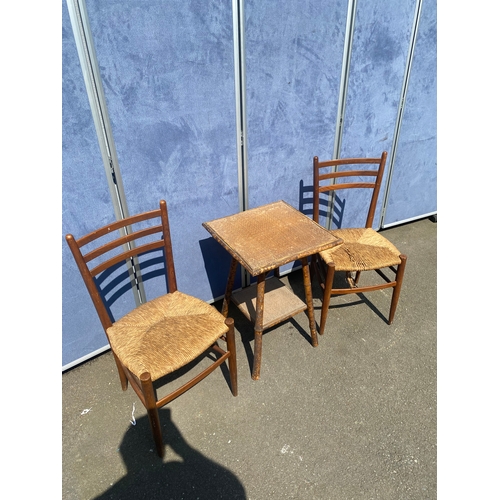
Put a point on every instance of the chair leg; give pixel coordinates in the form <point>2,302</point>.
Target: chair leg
<point>326,297</point>
<point>154,419</point>
<point>231,345</point>
<point>121,373</point>
<point>397,289</point>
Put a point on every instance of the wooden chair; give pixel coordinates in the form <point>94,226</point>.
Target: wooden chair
<point>160,336</point>
<point>364,249</point>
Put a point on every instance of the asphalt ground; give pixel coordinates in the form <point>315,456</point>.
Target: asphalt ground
<point>353,418</point>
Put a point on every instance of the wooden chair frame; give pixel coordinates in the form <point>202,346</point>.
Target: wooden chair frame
<point>392,275</point>
<point>129,242</point>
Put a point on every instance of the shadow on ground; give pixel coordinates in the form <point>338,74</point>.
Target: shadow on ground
<point>186,473</point>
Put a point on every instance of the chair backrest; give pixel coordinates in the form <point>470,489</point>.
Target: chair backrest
<point>120,244</point>
<point>348,173</point>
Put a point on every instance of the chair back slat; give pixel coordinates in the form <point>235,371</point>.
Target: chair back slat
<point>123,256</point>
<point>127,247</point>
<point>346,185</point>
<point>114,226</point>
<point>132,236</point>
<point>320,175</point>
<point>350,173</point>
<point>350,161</point>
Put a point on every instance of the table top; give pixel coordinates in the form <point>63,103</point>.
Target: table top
<point>264,238</point>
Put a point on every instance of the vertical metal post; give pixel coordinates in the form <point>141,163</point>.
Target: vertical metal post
<point>402,101</point>
<point>241,112</point>
<point>344,79</point>
<point>95,92</point>
<point>240,95</point>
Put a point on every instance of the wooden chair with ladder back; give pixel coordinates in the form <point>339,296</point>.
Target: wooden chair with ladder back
<point>363,248</point>
<point>161,337</point>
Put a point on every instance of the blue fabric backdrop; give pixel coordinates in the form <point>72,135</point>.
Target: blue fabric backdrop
<point>294,61</point>
<point>86,202</point>
<point>168,75</point>
<point>382,36</point>
<point>167,71</point>
<point>413,189</point>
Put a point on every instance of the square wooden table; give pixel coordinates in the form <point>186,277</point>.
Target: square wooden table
<point>261,240</point>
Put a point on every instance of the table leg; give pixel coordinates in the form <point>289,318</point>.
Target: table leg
<point>229,287</point>
<point>309,301</point>
<point>259,321</point>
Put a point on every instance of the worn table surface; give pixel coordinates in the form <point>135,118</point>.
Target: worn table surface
<point>262,239</point>
<point>272,235</point>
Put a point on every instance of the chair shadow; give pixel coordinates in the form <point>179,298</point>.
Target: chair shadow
<point>363,299</point>
<point>217,262</point>
<point>187,475</point>
<point>332,206</point>
<point>296,283</point>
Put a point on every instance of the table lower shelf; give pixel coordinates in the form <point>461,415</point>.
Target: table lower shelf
<point>280,303</point>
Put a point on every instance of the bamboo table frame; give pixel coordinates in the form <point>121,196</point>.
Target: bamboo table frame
<point>261,240</point>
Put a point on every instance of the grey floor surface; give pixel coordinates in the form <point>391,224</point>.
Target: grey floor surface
<point>354,418</point>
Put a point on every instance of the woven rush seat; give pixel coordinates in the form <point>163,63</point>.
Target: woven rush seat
<point>364,249</point>
<point>165,334</point>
